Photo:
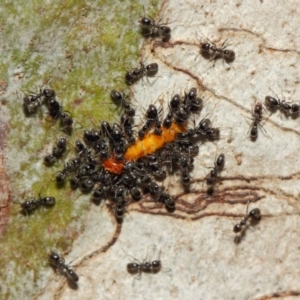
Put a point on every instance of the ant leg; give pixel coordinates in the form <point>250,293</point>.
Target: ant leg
<point>249,126</point>
<point>223,46</point>
<point>197,55</point>
<point>264,131</point>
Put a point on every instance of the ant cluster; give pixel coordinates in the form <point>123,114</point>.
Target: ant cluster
<point>113,161</point>
<point>33,102</point>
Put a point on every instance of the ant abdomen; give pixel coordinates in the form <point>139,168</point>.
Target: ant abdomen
<point>255,214</point>
<point>229,55</point>
<point>152,69</point>
<point>271,102</point>
<point>72,275</point>
<point>133,268</point>
<point>156,266</point>
<point>49,201</point>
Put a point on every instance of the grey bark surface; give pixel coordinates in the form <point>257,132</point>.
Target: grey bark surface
<point>198,251</point>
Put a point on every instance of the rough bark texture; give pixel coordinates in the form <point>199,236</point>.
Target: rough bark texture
<point>199,254</point>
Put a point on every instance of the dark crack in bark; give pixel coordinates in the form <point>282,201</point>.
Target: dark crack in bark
<point>278,295</point>
<point>5,196</point>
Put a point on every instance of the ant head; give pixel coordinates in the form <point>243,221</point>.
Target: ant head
<point>229,55</point>
<point>205,47</point>
<point>146,22</point>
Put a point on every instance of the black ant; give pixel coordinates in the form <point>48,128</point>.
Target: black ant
<point>126,124</point>
<point>106,178</point>
<point>205,129</point>
<point>94,139</point>
<point>171,155</point>
<point>57,152</point>
<point>256,119</point>
<point>152,267</point>
<point>150,28</point>
<point>145,179</point>
<point>155,189</point>
<point>152,116</point>
<point>181,116</point>
<point>92,136</point>
<point>87,185</point>
<point>145,128</point>
<point>254,215</point>
<point>73,164</point>
<point>120,209</point>
<point>87,169</point>
<point>137,73</point>
<point>186,165</point>
<point>83,153</point>
<point>70,167</point>
<point>173,108</point>
<point>29,206</point>
<point>146,267</point>
<point>97,194</point>
<point>32,102</point>
<point>105,129</point>
<point>167,122</point>
<point>121,99</point>
<point>117,142</point>
<point>175,103</point>
<point>59,263</point>
<point>116,133</point>
<point>287,108</point>
<point>168,201</point>
<point>212,52</point>
<point>158,192</point>
<point>130,181</point>
<point>61,176</point>
<point>75,181</point>
<point>153,164</point>
<point>214,174</point>
<point>56,112</point>
<point>135,193</point>
<point>185,177</point>
<point>192,103</point>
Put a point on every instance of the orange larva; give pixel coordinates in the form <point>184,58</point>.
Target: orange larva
<point>149,144</point>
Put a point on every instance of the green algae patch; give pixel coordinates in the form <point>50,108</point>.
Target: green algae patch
<point>81,51</point>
